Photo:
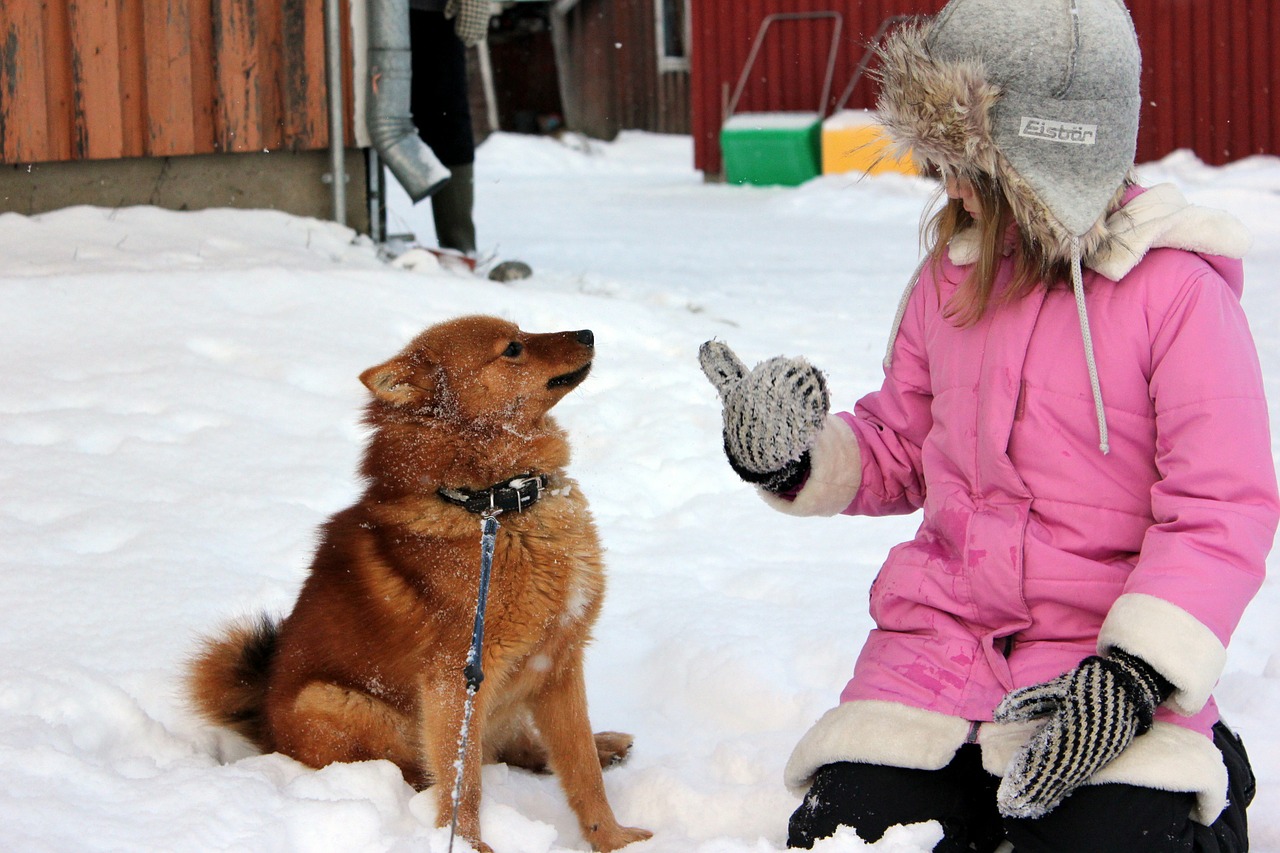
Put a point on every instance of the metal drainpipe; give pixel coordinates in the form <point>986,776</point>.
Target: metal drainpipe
<point>560,10</point>
<point>390,123</point>
<point>337,141</point>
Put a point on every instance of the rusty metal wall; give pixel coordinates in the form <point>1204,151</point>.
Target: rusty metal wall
<point>673,103</point>
<point>610,80</point>
<point>645,96</point>
<point>104,79</point>
<point>1211,82</point>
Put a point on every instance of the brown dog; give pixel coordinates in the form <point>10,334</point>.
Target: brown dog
<point>370,662</point>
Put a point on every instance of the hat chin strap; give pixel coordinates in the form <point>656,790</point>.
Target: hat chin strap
<point>1077,287</point>
<point>902,311</point>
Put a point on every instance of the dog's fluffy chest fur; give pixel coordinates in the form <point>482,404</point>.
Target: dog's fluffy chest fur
<point>547,575</point>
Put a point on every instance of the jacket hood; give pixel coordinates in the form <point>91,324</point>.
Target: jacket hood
<point>1161,218</point>
<point>1155,218</point>
<point>1040,95</point>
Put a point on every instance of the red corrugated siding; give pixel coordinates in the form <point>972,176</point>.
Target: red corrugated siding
<point>1210,81</point>
<point>790,67</point>
<point>1209,78</point>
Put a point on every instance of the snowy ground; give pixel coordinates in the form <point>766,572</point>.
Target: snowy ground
<point>180,410</point>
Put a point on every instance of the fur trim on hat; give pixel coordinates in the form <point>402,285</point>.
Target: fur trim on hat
<point>940,113</point>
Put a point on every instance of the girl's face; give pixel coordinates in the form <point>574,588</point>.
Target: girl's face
<point>962,189</point>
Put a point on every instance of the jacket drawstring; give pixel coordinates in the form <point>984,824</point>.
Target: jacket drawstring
<point>1077,285</point>
<point>902,311</point>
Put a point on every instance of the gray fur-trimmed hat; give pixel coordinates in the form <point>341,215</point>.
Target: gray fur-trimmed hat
<point>1042,95</point>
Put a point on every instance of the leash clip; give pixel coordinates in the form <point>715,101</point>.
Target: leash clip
<point>494,510</point>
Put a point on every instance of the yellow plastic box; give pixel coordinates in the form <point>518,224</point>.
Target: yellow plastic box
<point>854,141</point>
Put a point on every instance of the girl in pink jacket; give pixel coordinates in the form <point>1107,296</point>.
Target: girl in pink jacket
<point>1073,398</point>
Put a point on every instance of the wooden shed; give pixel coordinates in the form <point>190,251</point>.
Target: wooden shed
<point>176,103</point>
<point>214,103</point>
<point>623,65</point>
<point>1210,80</point>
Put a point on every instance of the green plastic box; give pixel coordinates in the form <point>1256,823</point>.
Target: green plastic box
<point>783,148</point>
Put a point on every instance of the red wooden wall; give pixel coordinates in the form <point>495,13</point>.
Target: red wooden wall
<point>1211,80</point>
<point>102,79</point>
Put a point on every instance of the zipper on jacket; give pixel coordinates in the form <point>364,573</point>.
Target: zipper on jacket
<point>972,736</point>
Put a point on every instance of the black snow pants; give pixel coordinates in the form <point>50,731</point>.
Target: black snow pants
<point>1110,818</point>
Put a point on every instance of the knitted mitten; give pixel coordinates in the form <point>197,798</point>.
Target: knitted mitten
<point>1094,712</point>
<point>772,414</point>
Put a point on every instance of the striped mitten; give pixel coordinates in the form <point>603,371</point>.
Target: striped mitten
<point>1094,712</point>
<point>772,414</point>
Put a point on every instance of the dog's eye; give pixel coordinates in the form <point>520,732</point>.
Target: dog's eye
<point>513,350</point>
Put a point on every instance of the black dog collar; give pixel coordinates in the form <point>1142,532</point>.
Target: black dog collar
<point>517,494</point>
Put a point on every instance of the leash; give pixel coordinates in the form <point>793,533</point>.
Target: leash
<point>473,671</point>
<point>518,494</point>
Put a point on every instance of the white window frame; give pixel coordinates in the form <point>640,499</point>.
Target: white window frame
<point>666,62</point>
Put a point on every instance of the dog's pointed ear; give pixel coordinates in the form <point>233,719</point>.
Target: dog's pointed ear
<point>395,382</point>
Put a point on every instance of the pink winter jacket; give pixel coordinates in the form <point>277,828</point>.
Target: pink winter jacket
<point>1035,549</point>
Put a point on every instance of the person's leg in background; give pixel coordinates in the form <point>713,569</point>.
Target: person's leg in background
<point>442,112</point>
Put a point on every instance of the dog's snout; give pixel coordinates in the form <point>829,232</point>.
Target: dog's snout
<point>586,338</point>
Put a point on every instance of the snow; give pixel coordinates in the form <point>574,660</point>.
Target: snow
<point>771,121</point>
<point>180,411</point>
<point>848,119</point>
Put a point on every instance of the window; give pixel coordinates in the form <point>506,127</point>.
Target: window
<point>673,25</point>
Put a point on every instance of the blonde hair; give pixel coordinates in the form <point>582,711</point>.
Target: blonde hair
<point>1033,267</point>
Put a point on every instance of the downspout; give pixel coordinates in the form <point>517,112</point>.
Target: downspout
<point>560,10</point>
<point>333,67</point>
<point>390,123</point>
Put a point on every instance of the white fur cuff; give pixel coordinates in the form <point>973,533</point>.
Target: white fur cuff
<point>875,732</point>
<point>1167,758</point>
<point>1177,644</point>
<point>834,476</point>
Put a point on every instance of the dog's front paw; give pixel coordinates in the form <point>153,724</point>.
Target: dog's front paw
<point>616,837</point>
<point>613,747</point>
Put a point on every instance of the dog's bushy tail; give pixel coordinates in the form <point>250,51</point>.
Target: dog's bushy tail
<point>227,679</point>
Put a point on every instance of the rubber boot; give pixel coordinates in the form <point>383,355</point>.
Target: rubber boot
<point>451,208</point>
